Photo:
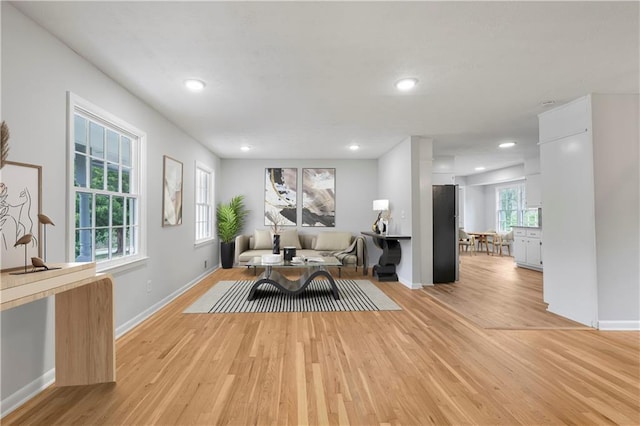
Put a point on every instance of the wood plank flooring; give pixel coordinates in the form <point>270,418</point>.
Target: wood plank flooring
<point>494,293</point>
<point>423,365</point>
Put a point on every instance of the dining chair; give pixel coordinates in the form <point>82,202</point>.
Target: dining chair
<point>503,240</point>
<point>466,242</point>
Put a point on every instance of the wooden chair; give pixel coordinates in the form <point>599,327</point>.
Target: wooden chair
<point>502,240</point>
<point>466,242</point>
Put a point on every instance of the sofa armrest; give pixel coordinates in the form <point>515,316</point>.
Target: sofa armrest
<point>242,245</point>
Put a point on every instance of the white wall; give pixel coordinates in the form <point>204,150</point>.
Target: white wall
<point>422,238</point>
<point>590,190</point>
<point>507,174</point>
<point>404,178</point>
<point>394,184</point>
<point>356,188</point>
<point>474,208</point>
<point>569,281</point>
<point>617,212</point>
<point>461,206</point>
<point>37,72</point>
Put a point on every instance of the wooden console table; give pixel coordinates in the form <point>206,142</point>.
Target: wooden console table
<point>385,270</point>
<point>85,331</point>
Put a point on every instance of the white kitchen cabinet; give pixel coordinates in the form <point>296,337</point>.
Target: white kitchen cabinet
<point>527,247</point>
<point>533,191</point>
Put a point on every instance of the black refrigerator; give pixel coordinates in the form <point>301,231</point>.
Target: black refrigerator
<point>445,233</point>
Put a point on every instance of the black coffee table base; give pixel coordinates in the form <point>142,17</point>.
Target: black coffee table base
<point>287,286</point>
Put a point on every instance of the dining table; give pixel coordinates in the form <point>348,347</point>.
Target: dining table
<point>483,238</point>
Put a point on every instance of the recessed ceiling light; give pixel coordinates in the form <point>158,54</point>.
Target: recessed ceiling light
<point>479,169</point>
<point>354,147</point>
<point>406,84</point>
<point>507,144</point>
<point>194,85</point>
<point>245,148</point>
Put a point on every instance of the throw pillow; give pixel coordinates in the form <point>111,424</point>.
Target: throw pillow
<point>262,239</point>
<point>332,241</point>
<point>289,238</point>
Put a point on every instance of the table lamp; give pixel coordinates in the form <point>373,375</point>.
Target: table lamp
<point>380,206</point>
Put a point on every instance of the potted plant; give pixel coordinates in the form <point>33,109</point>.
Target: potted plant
<point>231,218</point>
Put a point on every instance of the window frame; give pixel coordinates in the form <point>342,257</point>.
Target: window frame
<point>139,158</point>
<point>206,169</point>
<point>521,210</point>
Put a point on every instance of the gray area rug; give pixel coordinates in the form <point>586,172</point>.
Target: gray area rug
<point>231,296</point>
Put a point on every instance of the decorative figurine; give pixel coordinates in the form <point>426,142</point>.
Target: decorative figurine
<point>44,220</point>
<point>23,241</point>
<point>39,263</point>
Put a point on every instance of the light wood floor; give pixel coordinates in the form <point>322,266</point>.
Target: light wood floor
<point>494,293</point>
<point>423,365</point>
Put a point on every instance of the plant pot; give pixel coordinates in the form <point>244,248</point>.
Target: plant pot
<point>227,253</point>
<point>276,244</point>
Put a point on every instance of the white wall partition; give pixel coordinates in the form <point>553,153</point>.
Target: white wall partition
<point>570,281</point>
<point>394,184</point>
<point>590,194</point>
<point>405,178</point>
<point>617,209</point>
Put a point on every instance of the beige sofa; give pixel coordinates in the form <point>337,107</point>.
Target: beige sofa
<point>348,248</point>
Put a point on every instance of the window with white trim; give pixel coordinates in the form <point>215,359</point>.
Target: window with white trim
<point>204,204</point>
<point>511,208</point>
<point>107,202</point>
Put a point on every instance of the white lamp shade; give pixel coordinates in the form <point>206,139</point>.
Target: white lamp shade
<point>379,205</point>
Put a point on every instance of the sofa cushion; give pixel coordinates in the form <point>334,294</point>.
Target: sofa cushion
<point>332,241</point>
<point>289,238</point>
<point>308,241</point>
<point>262,239</point>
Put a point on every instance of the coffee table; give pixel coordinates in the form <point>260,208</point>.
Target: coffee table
<point>312,269</point>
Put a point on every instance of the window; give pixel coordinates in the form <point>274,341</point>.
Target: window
<point>107,194</point>
<point>204,203</point>
<point>511,208</point>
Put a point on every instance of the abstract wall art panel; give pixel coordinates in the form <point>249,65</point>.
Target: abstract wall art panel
<point>20,201</point>
<point>172,192</point>
<point>319,197</point>
<point>280,196</point>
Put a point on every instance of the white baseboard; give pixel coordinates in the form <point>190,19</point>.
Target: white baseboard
<point>593,323</point>
<point>409,284</point>
<point>135,321</point>
<point>24,394</point>
<point>619,325</point>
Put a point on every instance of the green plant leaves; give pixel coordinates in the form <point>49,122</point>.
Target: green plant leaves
<point>231,218</point>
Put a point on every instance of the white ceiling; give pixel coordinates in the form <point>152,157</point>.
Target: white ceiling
<point>306,79</point>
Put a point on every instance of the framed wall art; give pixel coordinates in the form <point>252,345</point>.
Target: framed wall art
<point>172,192</point>
<point>20,204</point>
<point>319,197</point>
<point>280,196</point>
